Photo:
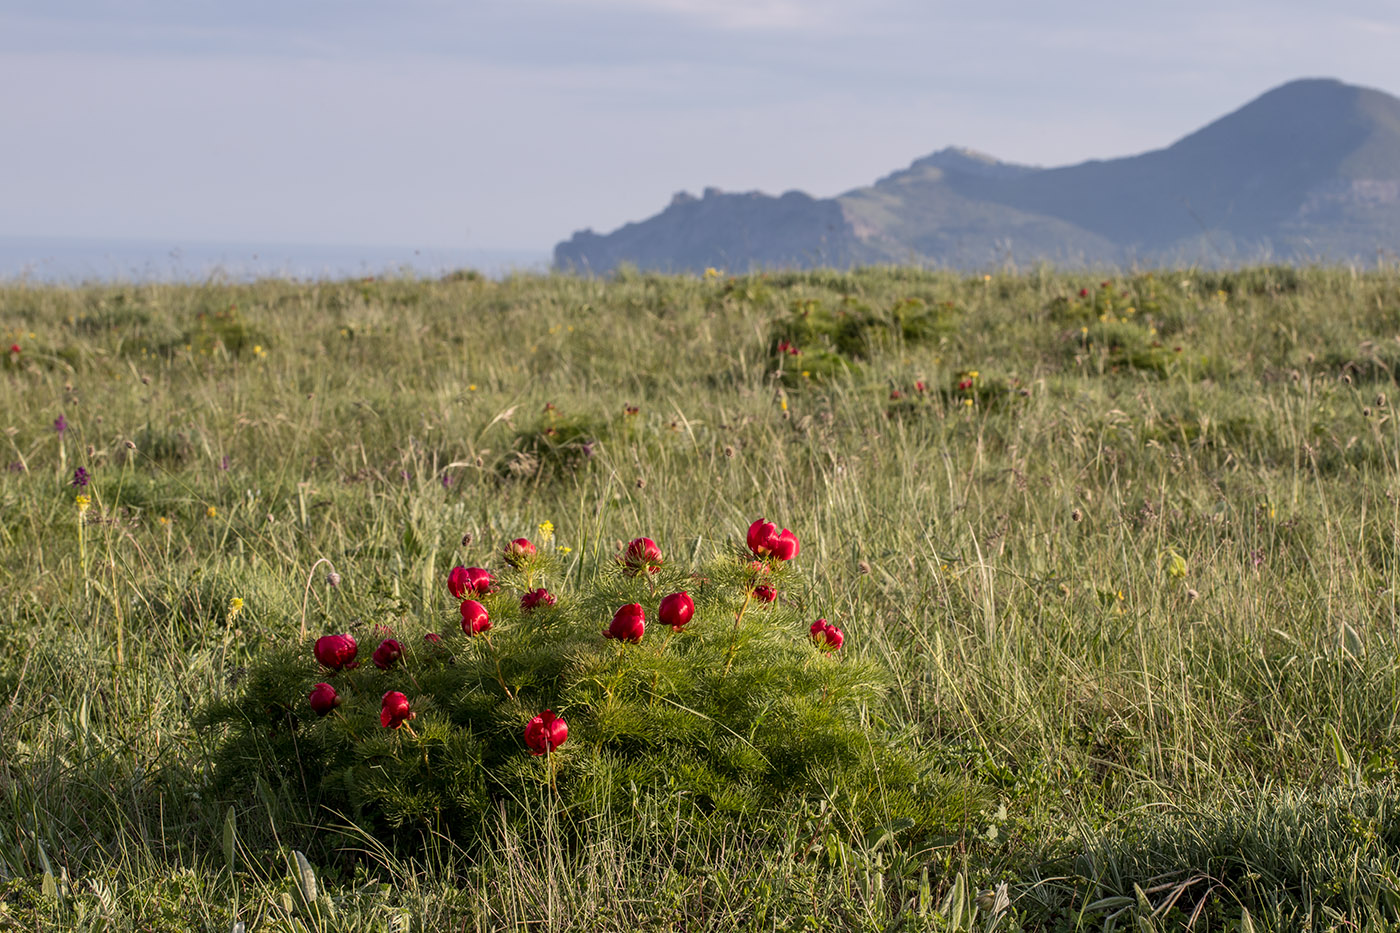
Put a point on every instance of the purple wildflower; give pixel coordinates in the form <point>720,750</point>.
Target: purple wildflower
<point>60,424</point>
<point>80,477</point>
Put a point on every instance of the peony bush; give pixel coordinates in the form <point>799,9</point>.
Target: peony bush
<point>711,689</point>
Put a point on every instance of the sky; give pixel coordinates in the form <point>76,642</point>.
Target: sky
<point>509,124</point>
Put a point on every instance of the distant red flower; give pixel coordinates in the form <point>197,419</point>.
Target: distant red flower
<point>965,383</point>
<point>628,623</point>
<point>14,349</point>
<point>536,598</point>
<point>676,610</point>
<point>642,554</point>
<point>433,638</point>
<point>1084,293</point>
<point>827,636</point>
<point>765,594</point>
<point>545,733</point>
<point>919,386</point>
<point>336,651</point>
<point>894,395</point>
<point>394,711</point>
<point>764,539</point>
<point>475,619</point>
<point>519,551</point>
<point>323,699</point>
<point>387,653</point>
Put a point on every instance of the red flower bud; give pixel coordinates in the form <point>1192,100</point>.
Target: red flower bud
<point>545,733</point>
<point>323,699</point>
<point>628,623</point>
<point>764,539</point>
<point>433,638</point>
<point>1084,293</point>
<point>765,594</point>
<point>387,653</point>
<point>535,598</point>
<point>642,553</point>
<point>964,385</point>
<point>395,711</point>
<point>474,618</point>
<point>518,551</point>
<point>676,610</point>
<point>336,651</point>
<point>827,636</point>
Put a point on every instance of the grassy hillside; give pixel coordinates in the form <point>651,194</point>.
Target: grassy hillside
<point>1128,546</point>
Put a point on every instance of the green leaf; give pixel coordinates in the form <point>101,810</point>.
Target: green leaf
<point>230,839</point>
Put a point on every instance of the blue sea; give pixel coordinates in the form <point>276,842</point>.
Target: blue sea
<point>72,261</point>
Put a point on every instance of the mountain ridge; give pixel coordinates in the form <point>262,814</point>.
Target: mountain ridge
<point>1306,171</point>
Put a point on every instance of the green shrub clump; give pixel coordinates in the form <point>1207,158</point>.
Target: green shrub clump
<point>727,700</point>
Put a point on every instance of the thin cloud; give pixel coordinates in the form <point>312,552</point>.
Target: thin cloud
<point>745,15</point>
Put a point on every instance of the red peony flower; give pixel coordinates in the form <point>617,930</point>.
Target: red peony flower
<point>387,653</point>
<point>474,618</point>
<point>458,580</point>
<point>1084,293</point>
<point>433,638</point>
<point>642,554</point>
<point>14,349</point>
<point>827,636</point>
<point>323,699</point>
<point>519,551</point>
<point>336,651</point>
<point>965,384</point>
<point>628,623</point>
<point>464,581</point>
<point>545,733</point>
<point>919,386</point>
<point>676,610</point>
<point>765,540</point>
<point>765,594</point>
<point>395,711</point>
<point>539,597</point>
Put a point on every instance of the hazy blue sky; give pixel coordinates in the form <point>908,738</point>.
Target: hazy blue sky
<point>511,123</point>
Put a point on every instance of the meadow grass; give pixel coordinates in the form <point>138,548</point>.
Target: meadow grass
<point>1136,584</point>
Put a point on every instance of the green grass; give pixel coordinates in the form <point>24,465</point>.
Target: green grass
<point>1147,746</point>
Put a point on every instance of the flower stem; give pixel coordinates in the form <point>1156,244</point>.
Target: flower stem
<point>734,638</point>
<point>500,678</point>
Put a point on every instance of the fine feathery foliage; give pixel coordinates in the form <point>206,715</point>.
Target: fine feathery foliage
<point>739,716</point>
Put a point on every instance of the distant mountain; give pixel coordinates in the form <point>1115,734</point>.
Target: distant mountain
<point>1308,171</point>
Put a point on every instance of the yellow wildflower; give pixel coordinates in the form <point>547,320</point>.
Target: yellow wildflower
<point>235,606</point>
<point>546,530</point>
<point>83,503</point>
<point>211,512</point>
